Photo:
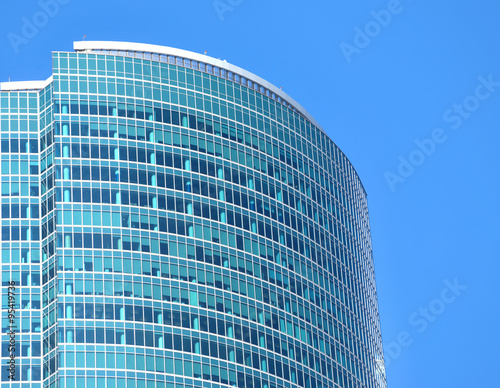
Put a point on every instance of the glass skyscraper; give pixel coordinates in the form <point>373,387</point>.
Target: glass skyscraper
<point>171,220</point>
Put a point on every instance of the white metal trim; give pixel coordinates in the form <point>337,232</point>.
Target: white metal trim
<point>163,50</point>
<point>25,85</point>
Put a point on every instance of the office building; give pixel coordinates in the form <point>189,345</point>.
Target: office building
<point>171,220</point>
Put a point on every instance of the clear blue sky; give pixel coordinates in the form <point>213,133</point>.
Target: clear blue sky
<point>415,88</point>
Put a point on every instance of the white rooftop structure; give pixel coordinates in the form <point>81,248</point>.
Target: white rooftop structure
<point>128,47</point>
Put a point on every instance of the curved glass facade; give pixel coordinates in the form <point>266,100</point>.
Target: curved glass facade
<point>206,232</point>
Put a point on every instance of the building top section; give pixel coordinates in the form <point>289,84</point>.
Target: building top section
<point>24,85</point>
<point>210,65</point>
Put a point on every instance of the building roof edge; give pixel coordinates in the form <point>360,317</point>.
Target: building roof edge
<point>156,49</point>
<point>24,85</point>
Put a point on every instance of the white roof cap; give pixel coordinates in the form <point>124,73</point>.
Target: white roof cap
<point>24,85</point>
<point>163,50</point>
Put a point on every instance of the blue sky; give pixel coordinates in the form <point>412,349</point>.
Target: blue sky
<point>409,90</point>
